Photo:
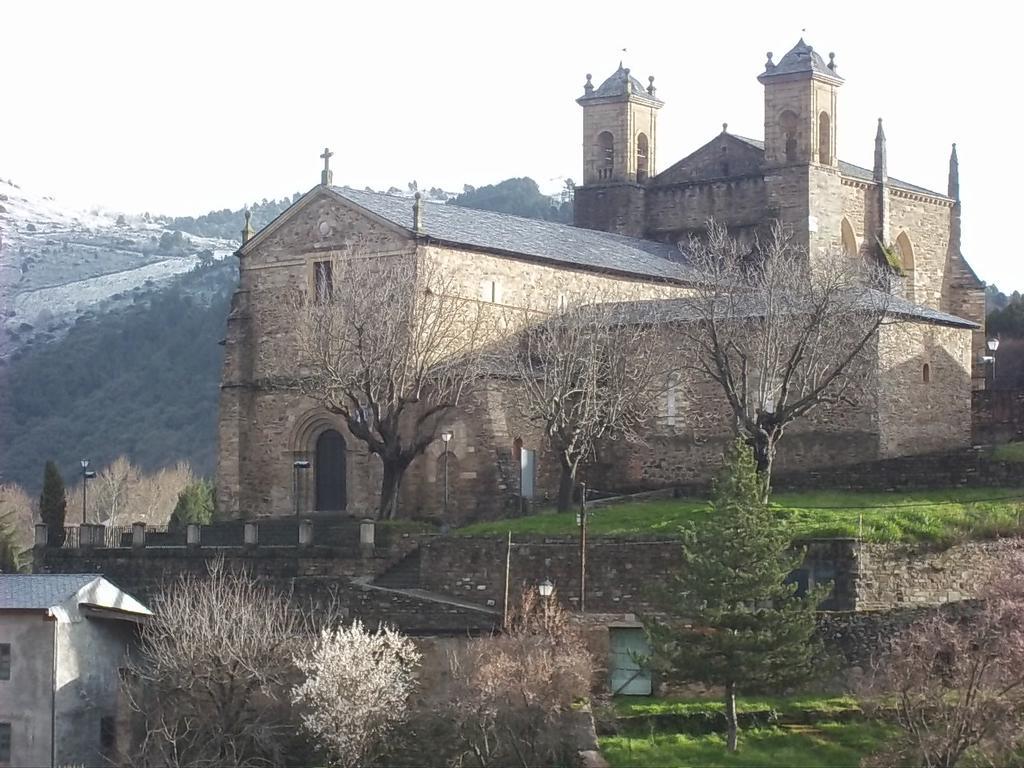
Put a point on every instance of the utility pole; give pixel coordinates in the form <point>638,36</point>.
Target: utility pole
<point>508,569</point>
<point>583,548</point>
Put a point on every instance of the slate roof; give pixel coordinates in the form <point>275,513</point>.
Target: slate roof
<point>856,172</point>
<point>801,58</point>
<point>518,236</point>
<point>40,591</point>
<point>686,310</point>
<point>615,86</point>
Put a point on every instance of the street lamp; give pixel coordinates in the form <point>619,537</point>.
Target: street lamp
<point>545,588</point>
<point>993,345</point>
<point>297,467</point>
<point>446,438</point>
<point>87,474</point>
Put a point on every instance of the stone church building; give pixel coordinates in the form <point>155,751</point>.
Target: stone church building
<point>629,219</point>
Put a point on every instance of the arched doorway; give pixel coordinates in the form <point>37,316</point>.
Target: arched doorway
<point>330,472</point>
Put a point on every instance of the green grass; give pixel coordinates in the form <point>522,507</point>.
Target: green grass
<point>638,705</point>
<point>938,516</point>
<point>1013,452</point>
<point>826,744</point>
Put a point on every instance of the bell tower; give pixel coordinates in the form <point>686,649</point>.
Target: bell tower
<point>800,95</point>
<point>620,121</point>
<point>619,129</point>
<point>803,183</point>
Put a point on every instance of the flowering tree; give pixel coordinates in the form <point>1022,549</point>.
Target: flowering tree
<point>958,683</point>
<point>356,690</point>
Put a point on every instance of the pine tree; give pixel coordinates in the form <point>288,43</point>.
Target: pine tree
<point>53,503</point>
<point>730,617</point>
<point>195,505</point>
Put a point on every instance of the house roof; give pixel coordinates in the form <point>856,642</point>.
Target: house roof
<point>40,591</point>
<point>620,83</point>
<point>801,58</point>
<point>53,592</point>
<point>534,238</point>
<point>856,172</point>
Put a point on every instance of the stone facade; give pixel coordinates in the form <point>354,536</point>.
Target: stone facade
<point>795,176</point>
<point>917,398</point>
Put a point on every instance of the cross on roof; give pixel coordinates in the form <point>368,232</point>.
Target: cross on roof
<point>327,155</point>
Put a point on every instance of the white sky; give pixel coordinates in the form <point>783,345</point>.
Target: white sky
<point>182,107</point>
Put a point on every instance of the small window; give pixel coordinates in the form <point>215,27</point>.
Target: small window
<point>824,139</point>
<point>108,734</point>
<point>605,155</point>
<point>323,276</point>
<point>926,373</point>
<point>5,661</point>
<point>490,291</point>
<point>642,164</point>
<point>670,400</point>
<point>5,742</point>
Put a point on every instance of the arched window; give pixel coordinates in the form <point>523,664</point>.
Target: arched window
<point>824,139</point>
<point>849,239</point>
<point>906,254</point>
<point>641,158</point>
<point>926,373</point>
<point>788,123</point>
<point>517,449</point>
<point>605,155</point>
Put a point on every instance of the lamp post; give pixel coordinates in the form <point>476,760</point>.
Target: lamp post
<point>545,588</point>
<point>87,474</point>
<point>297,467</point>
<point>993,345</point>
<point>446,438</point>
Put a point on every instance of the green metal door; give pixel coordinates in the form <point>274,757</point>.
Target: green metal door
<point>625,675</point>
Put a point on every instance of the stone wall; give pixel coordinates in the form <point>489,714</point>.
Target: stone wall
<point>309,576</point>
<point>623,574</point>
<point>998,416</point>
<point>924,390</point>
<point>894,577</point>
<point>970,467</point>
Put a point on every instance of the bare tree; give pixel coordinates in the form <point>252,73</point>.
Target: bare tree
<point>122,494</point>
<point>18,518</point>
<point>211,680</point>
<point>587,373</point>
<point>356,690</point>
<point>111,488</point>
<point>392,346</point>
<point>781,332</point>
<point>957,683</point>
<point>509,697</point>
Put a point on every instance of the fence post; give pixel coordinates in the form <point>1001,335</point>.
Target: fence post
<point>366,537</point>
<point>138,535</point>
<point>85,540</point>
<point>305,533</point>
<point>42,535</point>
<point>192,535</point>
<point>250,534</point>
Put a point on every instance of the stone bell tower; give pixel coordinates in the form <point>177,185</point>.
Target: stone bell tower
<point>619,152</point>
<point>801,162</point>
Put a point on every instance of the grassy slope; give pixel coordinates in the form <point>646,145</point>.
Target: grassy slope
<point>826,744</point>
<point>646,705</point>
<point>940,516</point>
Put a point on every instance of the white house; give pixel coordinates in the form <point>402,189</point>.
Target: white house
<point>63,641</point>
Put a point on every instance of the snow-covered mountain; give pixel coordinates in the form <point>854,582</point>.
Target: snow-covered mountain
<point>58,262</point>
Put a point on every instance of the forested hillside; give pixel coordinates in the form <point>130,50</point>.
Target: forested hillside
<point>143,381</point>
